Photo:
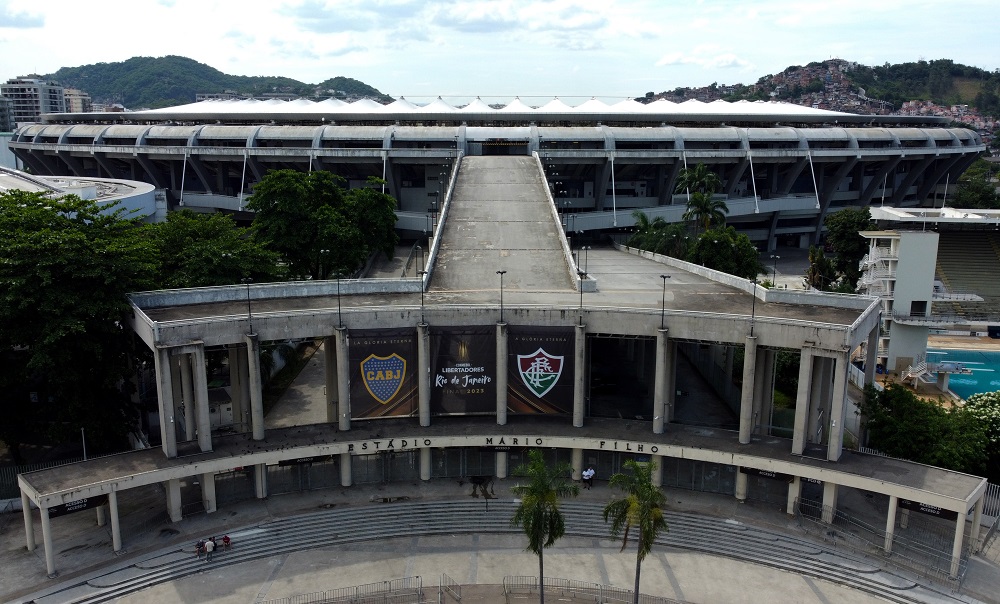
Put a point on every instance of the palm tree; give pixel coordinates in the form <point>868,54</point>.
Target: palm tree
<point>705,210</point>
<point>698,179</point>
<point>641,507</point>
<point>538,513</point>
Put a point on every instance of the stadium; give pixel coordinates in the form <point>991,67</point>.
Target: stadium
<point>505,338</point>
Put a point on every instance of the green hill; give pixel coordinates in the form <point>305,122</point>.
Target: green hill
<point>942,81</point>
<point>153,82</point>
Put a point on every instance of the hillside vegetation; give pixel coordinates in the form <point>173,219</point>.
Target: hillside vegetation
<point>152,82</point>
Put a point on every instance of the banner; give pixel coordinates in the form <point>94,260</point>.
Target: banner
<point>463,368</point>
<point>540,370</point>
<point>383,368</point>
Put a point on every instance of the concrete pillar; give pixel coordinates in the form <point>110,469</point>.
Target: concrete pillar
<point>346,478</point>
<point>102,518</point>
<point>742,485</point>
<point>165,400</point>
<point>956,547</point>
<point>208,492</point>
<point>253,380</point>
<point>501,374</point>
<point>890,523</point>
<point>747,391</point>
<point>343,382</point>
<point>29,523</point>
<point>576,461</point>
<point>579,375</point>
<point>244,361</point>
<point>236,388</point>
<point>116,526</point>
<point>330,379</point>
<point>671,363</point>
<point>871,355</point>
<point>657,474</point>
<point>817,401</point>
<point>50,563</point>
<point>977,521</point>
<point>794,494</point>
<point>187,392</point>
<point>424,373</point>
<point>175,387</point>
<point>660,381</point>
<point>838,407</point>
<point>200,383</point>
<point>260,480</point>
<point>425,464</point>
<point>802,401</point>
<point>829,501</point>
<point>501,464</point>
<point>172,489</point>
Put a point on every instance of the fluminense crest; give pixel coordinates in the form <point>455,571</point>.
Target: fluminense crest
<point>539,371</point>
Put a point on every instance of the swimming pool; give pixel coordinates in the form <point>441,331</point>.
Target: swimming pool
<point>985,366</point>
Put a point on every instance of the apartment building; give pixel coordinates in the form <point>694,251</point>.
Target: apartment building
<point>31,97</point>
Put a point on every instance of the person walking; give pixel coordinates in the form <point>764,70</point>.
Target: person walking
<point>199,548</point>
<point>209,548</point>
<point>588,478</point>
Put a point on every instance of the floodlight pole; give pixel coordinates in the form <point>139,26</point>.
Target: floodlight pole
<point>774,269</point>
<point>340,317</point>
<point>421,275</point>
<point>753,304</point>
<point>663,299</point>
<point>501,273</point>
<point>247,281</point>
<point>582,275</point>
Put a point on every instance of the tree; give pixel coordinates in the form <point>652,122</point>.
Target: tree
<point>319,229</point>
<point>200,250</point>
<point>843,228</point>
<point>640,508</point>
<point>821,273</point>
<point>985,407</point>
<point>538,513</point>
<point>901,425</point>
<point>66,266</point>
<point>698,179</point>
<point>705,210</point>
<point>725,250</point>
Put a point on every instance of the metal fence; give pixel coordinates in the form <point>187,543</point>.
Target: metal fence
<point>408,590</point>
<point>521,584</point>
<point>448,586</point>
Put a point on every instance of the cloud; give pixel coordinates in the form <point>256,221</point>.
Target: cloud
<point>12,18</point>
<point>319,16</point>
<point>701,58</point>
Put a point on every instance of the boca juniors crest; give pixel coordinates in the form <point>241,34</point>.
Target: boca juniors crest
<point>383,376</point>
<point>539,371</point>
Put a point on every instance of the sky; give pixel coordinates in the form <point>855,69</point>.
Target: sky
<point>499,49</point>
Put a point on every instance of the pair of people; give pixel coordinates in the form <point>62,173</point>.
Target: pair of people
<point>588,477</point>
<point>208,546</point>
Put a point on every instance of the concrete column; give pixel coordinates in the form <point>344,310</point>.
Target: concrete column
<point>871,355</point>
<point>657,474</point>
<point>424,373</point>
<point>956,547</point>
<point>579,375</point>
<point>253,380</point>
<point>838,406</point>
<point>501,464</point>
<point>660,381</point>
<point>200,375</point>
<point>244,361</point>
<point>343,382</point>
<point>208,492</point>
<point>165,400</point>
<point>116,525</point>
<point>802,401</point>
<point>794,494</point>
<point>671,363</point>
<point>260,480</point>
<point>742,485</point>
<point>746,393</point>
<point>173,491</point>
<point>829,501</point>
<point>817,400</point>
<point>50,563</point>
<point>330,379</point>
<point>29,523</point>
<point>425,464</point>
<point>236,388</point>
<point>890,523</point>
<point>175,387</point>
<point>501,374</point>
<point>102,518</point>
<point>187,392</point>
<point>346,478</point>
<point>977,522</point>
<point>576,460</point>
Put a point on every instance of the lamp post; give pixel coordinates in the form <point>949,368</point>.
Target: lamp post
<point>774,269</point>
<point>585,249</point>
<point>663,299</point>
<point>420,262</point>
<point>421,274</point>
<point>582,275</point>
<point>753,303</point>
<point>340,317</point>
<point>501,273</point>
<point>247,281</point>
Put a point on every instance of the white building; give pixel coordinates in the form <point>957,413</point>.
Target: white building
<point>31,97</point>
